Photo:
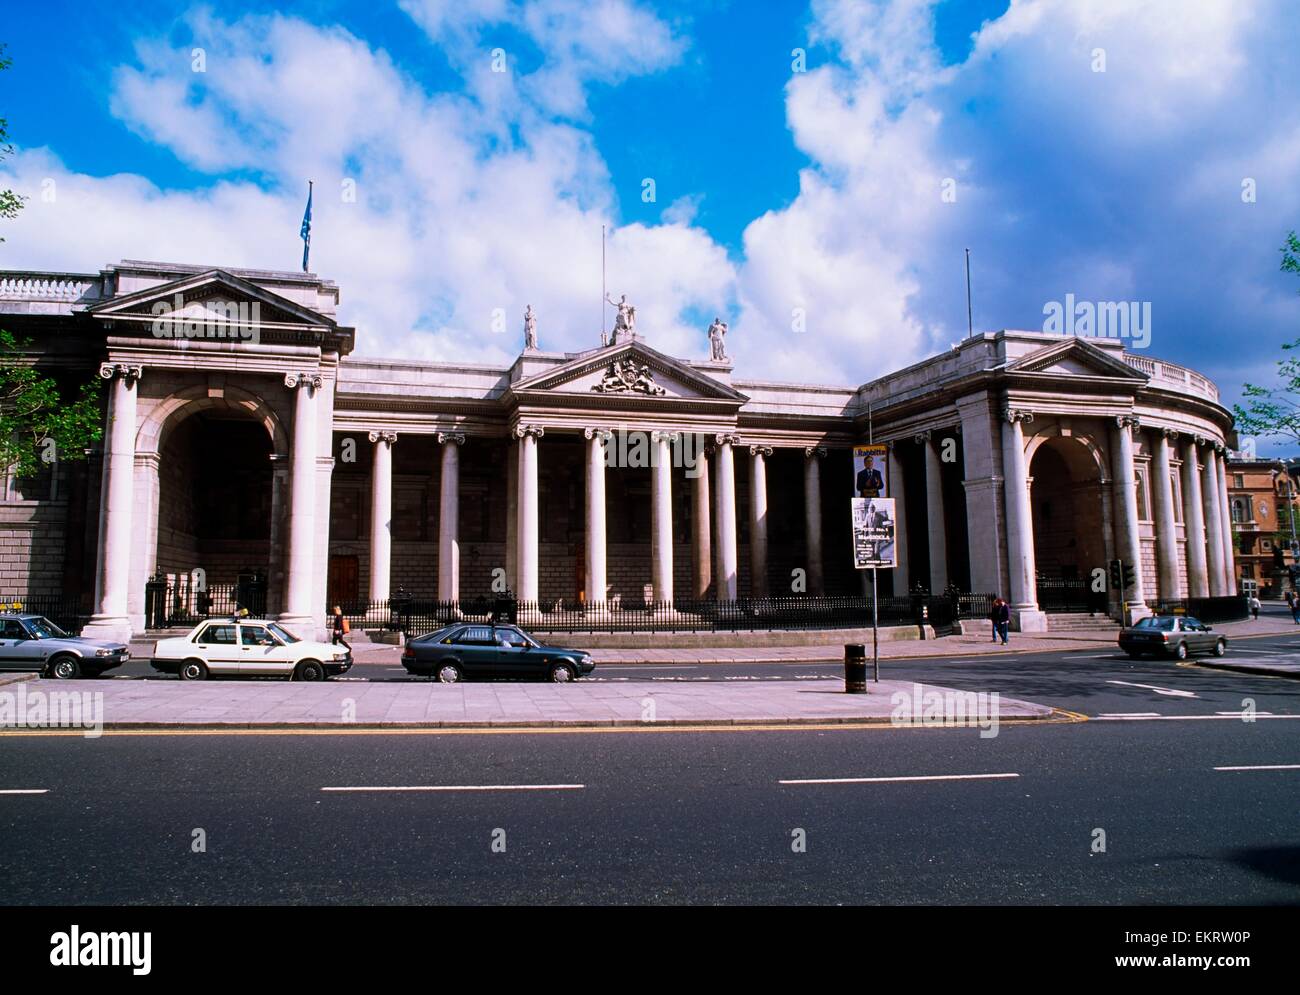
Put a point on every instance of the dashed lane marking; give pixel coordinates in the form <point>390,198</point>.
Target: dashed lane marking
<point>457,787</point>
<point>1262,767</point>
<point>898,780</point>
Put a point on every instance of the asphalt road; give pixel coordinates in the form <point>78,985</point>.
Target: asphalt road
<point>660,817</point>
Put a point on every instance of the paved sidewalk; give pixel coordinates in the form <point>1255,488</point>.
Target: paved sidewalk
<point>945,646</point>
<point>414,704</point>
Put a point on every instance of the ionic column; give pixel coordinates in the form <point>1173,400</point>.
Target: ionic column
<point>812,511</point>
<point>299,609</point>
<point>1213,521</point>
<point>661,515</point>
<point>701,547</point>
<point>1198,581</point>
<point>526,559</point>
<point>113,563</point>
<point>1166,534</point>
<point>727,565</point>
<point>381,515</point>
<point>1126,484</point>
<point>1020,526</point>
<point>449,516</point>
<point>934,512</point>
<point>1225,510</point>
<point>758,586</point>
<point>596,574</point>
<point>898,491</point>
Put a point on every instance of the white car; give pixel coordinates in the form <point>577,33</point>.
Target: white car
<point>247,647</point>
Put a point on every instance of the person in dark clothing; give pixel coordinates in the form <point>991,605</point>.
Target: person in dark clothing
<point>1001,618</point>
<point>340,626</point>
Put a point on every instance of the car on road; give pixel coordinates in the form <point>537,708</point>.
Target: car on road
<point>247,647</point>
<point>1178,636</point>
<point>32,642</point>
<point>483,650</point>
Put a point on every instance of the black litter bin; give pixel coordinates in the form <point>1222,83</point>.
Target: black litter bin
<point>855,668</point>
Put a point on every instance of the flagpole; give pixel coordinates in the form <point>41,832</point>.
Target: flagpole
<point>603,294</point>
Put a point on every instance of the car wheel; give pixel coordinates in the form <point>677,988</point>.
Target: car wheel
<point>309,670</point>
<point>1220,647</point>
<point>449,673</point>
<point>561,673</point>
<point>1181,651</point>
<point>193,670</point>
<point>65,668</point>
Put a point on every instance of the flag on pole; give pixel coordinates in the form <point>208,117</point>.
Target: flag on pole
<point>305,233</point>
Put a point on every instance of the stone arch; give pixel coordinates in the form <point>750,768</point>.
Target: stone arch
<point>1069,477</point>
<point>175,408</point>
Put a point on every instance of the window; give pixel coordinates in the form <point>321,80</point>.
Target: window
<point>1176,489</point>
<point>12,629</point>
<point>1266,544</point>
<point>1239,510</point>
<point>1143,495</point>
<point>477,634</point>
<point>1238,480</point>
<point>255,635</point>
<point>218,635</point>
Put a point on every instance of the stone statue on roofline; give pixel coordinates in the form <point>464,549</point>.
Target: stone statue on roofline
<point>717,347</point>
<point>624,321</point>
<point>530,329</point>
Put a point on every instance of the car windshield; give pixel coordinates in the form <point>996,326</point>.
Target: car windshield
<point>1152,622</point>
<point>43,628</point>
<point>282,632</point>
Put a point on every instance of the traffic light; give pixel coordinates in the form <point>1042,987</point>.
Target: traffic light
<point>1122,575</point>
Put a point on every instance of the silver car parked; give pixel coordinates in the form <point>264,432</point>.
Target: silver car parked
<point>34,643</point>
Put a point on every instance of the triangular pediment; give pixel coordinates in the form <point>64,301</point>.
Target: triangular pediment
<point>211,293</point>
<point>632,370</point>
<point>1075,357</point>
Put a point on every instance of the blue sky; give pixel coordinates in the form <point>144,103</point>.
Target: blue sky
<point>844,193</point>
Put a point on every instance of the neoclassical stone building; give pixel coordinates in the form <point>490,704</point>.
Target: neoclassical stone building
<point>244,440</point>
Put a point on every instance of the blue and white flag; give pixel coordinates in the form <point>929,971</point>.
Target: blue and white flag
<point>305,233</point>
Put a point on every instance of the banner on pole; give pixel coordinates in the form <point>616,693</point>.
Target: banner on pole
<point>870,471</point>
<point>873,532</point>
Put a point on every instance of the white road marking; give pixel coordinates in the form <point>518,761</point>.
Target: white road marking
<point>1230,717</point>
<point>1240,714</point>
<point>461,787</point>
<point>1110,657</point>
<point>1264,767</point>
<point>1152,687</point>
<point>892,780</point>
<point>1129,715</point>
<point>24,791</point>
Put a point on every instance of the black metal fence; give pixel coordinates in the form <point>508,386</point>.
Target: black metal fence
<point>1230,609</point>
<point>186,600</point>
<point>63,610</point>
<point>1070,595</point>
<point>417,616</point>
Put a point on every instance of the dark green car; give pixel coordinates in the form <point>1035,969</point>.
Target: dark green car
<point>484,651</point>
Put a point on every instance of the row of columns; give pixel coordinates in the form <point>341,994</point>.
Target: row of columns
<point>1207,525</point>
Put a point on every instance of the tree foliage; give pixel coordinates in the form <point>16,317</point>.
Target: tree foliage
<point>10,202</point>
<point>38,426</point>
<point>1275,411</point>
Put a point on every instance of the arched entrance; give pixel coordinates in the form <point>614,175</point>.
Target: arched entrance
<point>210,477</point>
<point>1067,504</point>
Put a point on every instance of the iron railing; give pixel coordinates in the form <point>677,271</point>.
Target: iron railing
<point>1070,595</point>
<point>418,616</point>
<point>64,610</point>
<point>185,601</point>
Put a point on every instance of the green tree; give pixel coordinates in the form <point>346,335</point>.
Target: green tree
<point>38,426</point>
<point>10,202</point>
<point>1275,411</point>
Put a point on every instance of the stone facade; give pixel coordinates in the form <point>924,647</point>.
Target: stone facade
<point>262,447</point>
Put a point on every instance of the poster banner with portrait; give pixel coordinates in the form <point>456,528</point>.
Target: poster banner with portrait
<point>870,471</point>
<point>873,532</point>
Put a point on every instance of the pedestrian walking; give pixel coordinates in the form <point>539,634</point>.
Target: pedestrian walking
<point>340,627</point>
<point>1254,607</point>
<point>1001,618</point>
